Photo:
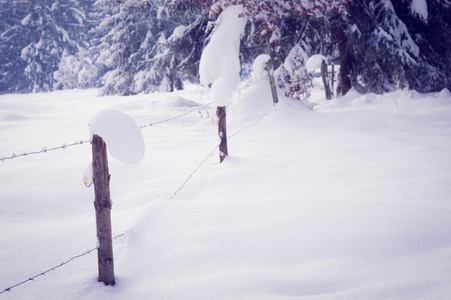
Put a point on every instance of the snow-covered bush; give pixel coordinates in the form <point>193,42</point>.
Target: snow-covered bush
<point>295,83</point>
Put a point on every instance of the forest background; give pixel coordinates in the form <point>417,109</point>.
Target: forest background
<point>127,47</point>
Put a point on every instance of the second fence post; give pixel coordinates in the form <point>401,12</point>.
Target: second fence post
<point>102,204</point>
<point>222,132</point>
<point>325,77</point>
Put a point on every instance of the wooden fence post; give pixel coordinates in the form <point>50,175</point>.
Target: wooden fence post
<point>332,88</point>
<point>222,132</point>
<point>271,67</point>
<point>102,204</point>
<point>325,76</point>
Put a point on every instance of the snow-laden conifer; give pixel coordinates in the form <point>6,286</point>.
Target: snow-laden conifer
<point>34,39</point>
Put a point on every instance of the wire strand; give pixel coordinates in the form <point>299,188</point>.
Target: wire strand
<point>8,289</point>
<point>82,142</point>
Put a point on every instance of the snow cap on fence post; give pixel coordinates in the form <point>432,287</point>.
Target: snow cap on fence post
<point>259,66</point>
<point>314,62</point>
<point>222,91</point>
<point>220,65</point>
<point>121,134</point>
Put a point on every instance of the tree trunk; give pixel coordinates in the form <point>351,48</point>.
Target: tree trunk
<point>345,76</point>
<point>102,204</point>
<point>325,78</point>
<point>222,132</point>
<point>271,66</point>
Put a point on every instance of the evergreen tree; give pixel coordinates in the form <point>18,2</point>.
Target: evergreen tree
<point>132,46</point>
<point>389,45</point>
<point>429,23</point>
<point>147,46</point>
<point>180,54</point>
<point>78,70</point>
<point>34,38</point>
<point>125,43</point>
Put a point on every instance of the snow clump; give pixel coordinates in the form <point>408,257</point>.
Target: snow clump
<point>222,91</point>
<point>88,175</point>
<point>259,66</point>
<point>121,135</point>
<point>420,8</point>
<point>314,62</point>
<point>220,58</point>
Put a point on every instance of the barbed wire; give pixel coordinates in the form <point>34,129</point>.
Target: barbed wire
<point>44,150</point>
<point>195,170</point>
<point>177,116</point>
<point>252,124</point>
<point>210,154</point>
<point>64,146</point>
<point>81,142</point>
<point>8,289</point>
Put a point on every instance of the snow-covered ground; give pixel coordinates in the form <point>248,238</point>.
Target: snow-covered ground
<point>348,201</point>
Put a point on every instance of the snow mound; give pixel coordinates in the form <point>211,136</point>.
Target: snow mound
<point>13,118</point>
<point>352,96</point>
<point>252,102</point>
<point>177,101</point>
<point>445,93</point>
<point>121,134</point>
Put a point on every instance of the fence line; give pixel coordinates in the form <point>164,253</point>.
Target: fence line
<point>64,146</point>
<point>8,289</point>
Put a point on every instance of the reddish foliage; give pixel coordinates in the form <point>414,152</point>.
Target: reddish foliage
<point>267,13</point>
<point>298,84</point>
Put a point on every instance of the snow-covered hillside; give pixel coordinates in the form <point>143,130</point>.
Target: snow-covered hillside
<point>346,201</point>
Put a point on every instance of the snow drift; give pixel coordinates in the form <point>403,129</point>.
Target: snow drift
<point>349,201</point>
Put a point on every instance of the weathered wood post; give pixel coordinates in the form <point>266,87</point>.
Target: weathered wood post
<point>102,204</point>
<point>271,66</point>
<point>222,132</point>
<point>332,88</point>
<point>325,77</point>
